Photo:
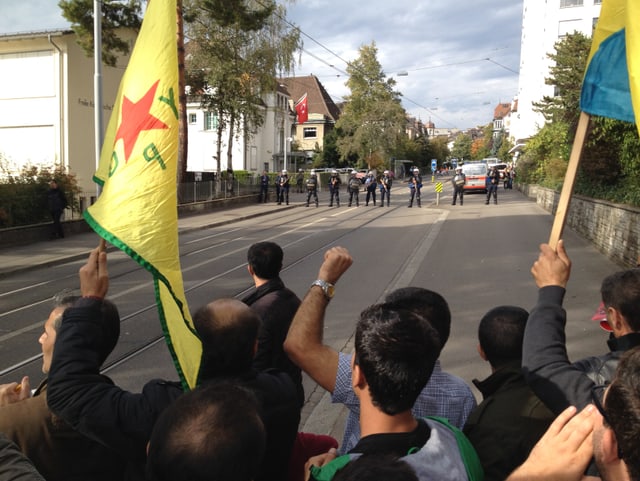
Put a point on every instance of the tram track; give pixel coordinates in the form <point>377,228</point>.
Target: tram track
<point>309,229</point>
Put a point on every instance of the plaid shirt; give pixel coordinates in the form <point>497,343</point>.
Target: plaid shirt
<point>444,395</point>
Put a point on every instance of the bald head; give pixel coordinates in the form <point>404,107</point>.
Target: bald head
<point>228,330</point>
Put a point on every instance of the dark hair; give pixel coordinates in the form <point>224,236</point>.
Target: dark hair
<point>396,349</point>
<point>228,330</point>
<point>265,258</point>
<point>373,467</point>
<point>213,433</point>
<point>622,405</point>
<point>501,332</point>
<point>429,304</point>
<point>621,291</point>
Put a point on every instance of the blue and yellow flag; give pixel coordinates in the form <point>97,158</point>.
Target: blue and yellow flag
<point>137,210</point>
<point>611,86</point>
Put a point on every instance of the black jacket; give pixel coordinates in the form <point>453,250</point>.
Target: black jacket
<point>124,421</point>
<point>276,305</point>
<point>508,423</point>
<point>557,381</point>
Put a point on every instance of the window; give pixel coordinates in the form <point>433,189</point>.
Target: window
<point>193,118</point>
<point>566,27</point>
<point>570,3</point>
<point>597,2</point>
<point>210,121</point>
<point>309,133</point>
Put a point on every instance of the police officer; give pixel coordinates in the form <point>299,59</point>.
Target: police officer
<point>354,188</point>
<point>371,185</point>
<point>385,187</point>
<point>415,184</point>
<point>299,181</point>
<point>312,187</point>
<point>283,187</point>
<point>334,188</point>
<point>458,181</point>
<point>493,179</point>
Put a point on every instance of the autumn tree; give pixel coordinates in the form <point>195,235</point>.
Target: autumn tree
<point>237,55</point>
<point>373,120</point>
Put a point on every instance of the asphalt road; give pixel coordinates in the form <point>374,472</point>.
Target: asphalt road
<point>478,256</point>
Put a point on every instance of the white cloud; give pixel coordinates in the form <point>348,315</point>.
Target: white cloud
<point>442,44</point>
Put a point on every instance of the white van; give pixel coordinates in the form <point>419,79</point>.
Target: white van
<point>476,175</point>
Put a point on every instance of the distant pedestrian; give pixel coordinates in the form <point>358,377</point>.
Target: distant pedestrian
<point>264,187</point>
<point>57,204</point>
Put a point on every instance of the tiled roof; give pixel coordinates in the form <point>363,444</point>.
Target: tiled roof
<point>318,100</point>
<point>501,111</point>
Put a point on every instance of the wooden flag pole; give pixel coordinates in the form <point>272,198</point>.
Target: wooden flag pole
<point>569,180</point>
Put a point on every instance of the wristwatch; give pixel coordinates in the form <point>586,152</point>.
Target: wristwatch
<point>326,287</point>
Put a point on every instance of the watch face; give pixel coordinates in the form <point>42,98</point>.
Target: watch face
<point>330,291</point>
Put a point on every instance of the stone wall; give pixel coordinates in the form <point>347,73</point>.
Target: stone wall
<point>614,229</point>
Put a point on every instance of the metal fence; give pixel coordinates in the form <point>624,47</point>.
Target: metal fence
<point>190,192</point>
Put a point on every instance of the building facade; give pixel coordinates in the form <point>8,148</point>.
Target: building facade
<point>47,106</point>
<point>544,22</point>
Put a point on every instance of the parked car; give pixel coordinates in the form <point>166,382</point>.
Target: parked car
<point>476,174</point>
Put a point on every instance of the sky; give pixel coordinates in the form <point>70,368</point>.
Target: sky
<point>460,58</point>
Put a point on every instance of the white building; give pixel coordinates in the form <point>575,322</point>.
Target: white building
<point>263,149</point>
<point>46,102</point>
<point>544,22</point>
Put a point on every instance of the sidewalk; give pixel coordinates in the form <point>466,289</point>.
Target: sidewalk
<point>16,259</point>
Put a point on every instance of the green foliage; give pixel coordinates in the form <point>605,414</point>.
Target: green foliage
<point>116,14</point>
<point>567,71</point>
<point>237,51</point>
<point>462,147</point>
<point>23,197</point>
<point>543,155</point>
<point>373,120</point>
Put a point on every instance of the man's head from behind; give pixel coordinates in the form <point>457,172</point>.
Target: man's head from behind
<point>500,334</point>
<point>621,425</point>
<point>395,350</point>
<point>213,433</point>
<point>228,330</point>
<point>429,304</point>
<point>621,291</point>
<point>265,260</point>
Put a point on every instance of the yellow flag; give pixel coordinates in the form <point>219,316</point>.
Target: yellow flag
<point>137,210</point>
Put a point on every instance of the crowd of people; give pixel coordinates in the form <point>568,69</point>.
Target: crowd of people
<point>541,417</point>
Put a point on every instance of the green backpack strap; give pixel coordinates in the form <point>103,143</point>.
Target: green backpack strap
<point>329,470</point>
<point>467,451</point>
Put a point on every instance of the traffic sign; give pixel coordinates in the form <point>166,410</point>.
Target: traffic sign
<point>434,165</point>
<point>438,187</point>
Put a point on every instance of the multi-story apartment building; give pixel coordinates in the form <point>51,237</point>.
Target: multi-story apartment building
<point>544,22</point>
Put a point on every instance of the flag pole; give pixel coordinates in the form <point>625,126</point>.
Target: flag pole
<point>569,180</point>
<point>97,83</point>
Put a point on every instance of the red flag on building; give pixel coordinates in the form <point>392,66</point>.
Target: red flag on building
<point>301,109</point>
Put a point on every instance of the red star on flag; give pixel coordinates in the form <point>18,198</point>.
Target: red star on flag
<point>136,118</point>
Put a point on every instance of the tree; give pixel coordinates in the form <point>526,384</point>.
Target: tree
<point>115,15</point>
<point>373,120</point>
<point>238,54</point>
<point>570,60</point>
<point>461,149</point>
